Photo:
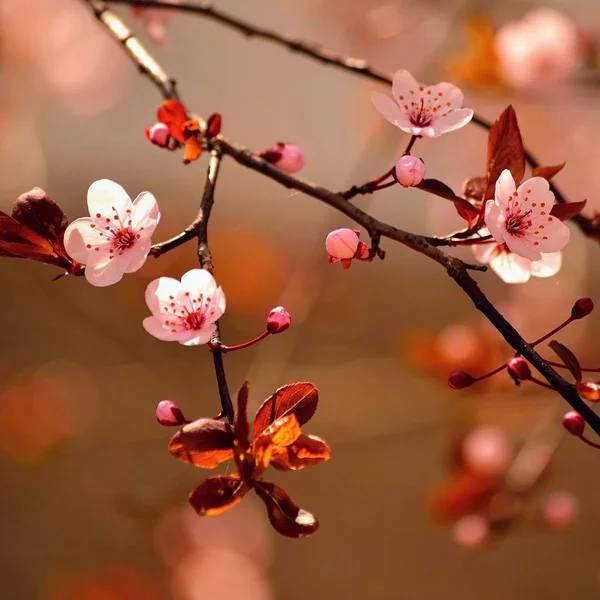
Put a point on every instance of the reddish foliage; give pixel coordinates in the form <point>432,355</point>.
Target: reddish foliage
<point>547,172</point>
<point>183,129</point>
<point>567,210</point>
<point>568,358</point>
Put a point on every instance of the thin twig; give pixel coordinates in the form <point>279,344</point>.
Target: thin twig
<point>456,268</point>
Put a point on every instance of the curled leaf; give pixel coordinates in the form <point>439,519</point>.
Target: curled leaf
<point>547,172</point>
<point>173,114</point>
<point>286,517</point>
<point>567,210</point>
<point>241,427</point>
<point>568,358</point>
<point>300,399</point>
<point>213,125</point>
<point>39,212</point>
<point>275,438</point>
<point>204,443</point>
<point>505,151</point>
<point>306,451</point>
<point>217,495</point>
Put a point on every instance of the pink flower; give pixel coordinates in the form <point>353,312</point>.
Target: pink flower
<point>344,245</point>
<point>159,134</point>
<point>115,239</point>
<point>560,509</point>
<point>155,21</point>
<point>520,218</point>
<point>185,311</point>
<point>410,170</point>
<point>541,50</point>
<point>284,156</point>
<point>511,267</point>
<point>419,110</point>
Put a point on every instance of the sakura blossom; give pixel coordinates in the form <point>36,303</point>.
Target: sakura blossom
<point>521,219</point>
<point>285,156</point>
<point>511,267</point>
<point>428,111</point>
<point>184,311</point>
<point>116,237</point>
<point>410,170</point>
<point>543,49</point>
<point>159,134</point>
<point>155,21</point>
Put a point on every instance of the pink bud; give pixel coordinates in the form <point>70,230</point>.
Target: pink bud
<point>342,243</point>
<point>574,423</point>
<point>560,509</point>
<point>471,532</point>
<point>518,368</point>
<point>278,320</point>
<point>459,380</point>
<point>159,134</point>
<point>582,308</point>
<point>285,156</point>
<point>487,451</point>
<point>410,170</point>
<point>169,414</point>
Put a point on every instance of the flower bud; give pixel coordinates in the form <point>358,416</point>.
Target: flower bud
<point>342,243</point>
<point>169,414</point>
<point>278,320</point>
<point>588,390</point>
<point>285,156</point>
<point>574,423</point>
<point>159,134</point>
<point>518,369</point>
<point>560,509</point>
<point>582,308</point>
<point>459,379</point>
<point>410,170</point>
<point>213,125</point>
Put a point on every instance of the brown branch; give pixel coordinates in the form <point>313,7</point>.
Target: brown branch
<point>457,269</point>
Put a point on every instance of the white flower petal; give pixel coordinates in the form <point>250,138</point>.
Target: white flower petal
<point>495,221</point>
<point>138,254</point>
<point>160,293</point>
<point>105,195</point>
<point>402,86</point>
<point>198,337</point>
<point>553,235</point>
<point>505,188</point>
<point>450,93</point>
<point>548,266</point>
<point>104,269</point>
<point>451,121</point>
<point>199,281</point>
<point>511,268</point>
<point>145,213</point>
<point>387,107</point>
<point>156,326</point>
<point>521,246</point>
<point>484,253</point>
<point>77,235</point>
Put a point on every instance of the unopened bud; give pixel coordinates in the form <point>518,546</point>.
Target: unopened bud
<point>588,390</point>
<point>582,308</point>
<point>459,380</point>
<point>278,320</point>
<point>159,134</point>
<point>574,423</point>
<point>285,156</point>
<point>213,125</point>
<point>169,414</point>
<point>342,243</point>
<point>410,170</point>
<point>518,369</point>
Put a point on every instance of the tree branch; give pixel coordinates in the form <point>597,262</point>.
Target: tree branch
<point>457,269</point>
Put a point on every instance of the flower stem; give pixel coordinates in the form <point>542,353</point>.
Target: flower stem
<point>589,442</point>
<point>555,330</point>
<point>247,344</point>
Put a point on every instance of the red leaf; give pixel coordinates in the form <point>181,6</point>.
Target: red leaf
<point>547,172</point>
<point>505,151</point>
<point>300,399</point>
<point>241,426</point>
<point>306,451</point>
<point>567,210</point>
<point>285,515</point>
<point>173,114</point>
<point>568,358</point>
<point>438,188</point>
<point>217,494</point>
<point>204,443</point>
<point>39,212</point>
<point>213,125</point>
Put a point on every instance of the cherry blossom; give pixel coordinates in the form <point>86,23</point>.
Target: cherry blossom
<point>184,311</point>
<point>115,239</point>
<point>285,156</point>
<point>155,21</point>
<point>521,219</point>
<point>511,267</point>
<point>419,110</point>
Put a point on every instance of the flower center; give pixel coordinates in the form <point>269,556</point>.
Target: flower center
<point>421,116</point>
<point>517,223</point>
<point>124,238</point>
<point>193,320</point>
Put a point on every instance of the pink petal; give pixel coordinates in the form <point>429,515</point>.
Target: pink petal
<point>483,253</point>
<point>556,232</point>
<point>522,247</point>
<point>450,93</point>
<point>402,85</point>
<point>538,189</point>
<point>138,254</point>
<point>160,293</point>
<point>104,269</point>
<point>199,281</point>
<point>451,121</point>
<point>511,268</point>
<point>156,327</point>
<point>548,266</point>
<point>77,235</point>
<point>197,337</point>
<point>104,195</point>
<point>495,221</point>
<point>387,107</point>
<point>145,213</point>
<point>505,188</point>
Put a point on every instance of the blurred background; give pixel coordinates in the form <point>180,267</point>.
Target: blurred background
<point>93,507</point>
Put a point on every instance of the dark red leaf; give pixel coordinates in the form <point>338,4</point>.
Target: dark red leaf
<point>241,427</point>
<point>505,151</point>
<point>217,494</point>
<point>298,398</point>
<point>547,172</point>
<point>213,125</point>
<point>39,212</point>
<point>474,188</point>
<point>204,443</point>
<point>173,114</point>
<point>567,210</point>
<point>438,188</point>
<point>285,515</point>
<point>568,358</point>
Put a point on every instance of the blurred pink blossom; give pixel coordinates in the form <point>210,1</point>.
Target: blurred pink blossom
<point>488,451</point>
<point>285,156</point>
<point>560,509</point>
<point>471,532</point>
<point>155,21</point>
<point>541,50</point>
